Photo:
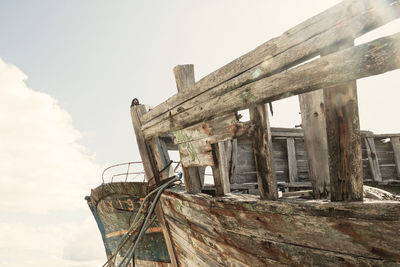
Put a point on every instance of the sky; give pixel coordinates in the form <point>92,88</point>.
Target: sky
<point>68,72</point>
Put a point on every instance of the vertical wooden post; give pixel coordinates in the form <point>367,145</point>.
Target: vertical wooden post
<point>152,155</point>
<point>193,176</point>
<point>344,140</point>
<point>263,152</point>
<point>220,169</point>
<point>396,150</point>
<point>313,122</point>
<point>373,159</point>
<point>233,161</point>
<point>292,161</point>
<point>344,143</point>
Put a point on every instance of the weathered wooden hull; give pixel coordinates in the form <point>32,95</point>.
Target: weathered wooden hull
<point>241,230</point>
<point>114,206</point>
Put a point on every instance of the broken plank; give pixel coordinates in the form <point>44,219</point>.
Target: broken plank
<point>365,60</point>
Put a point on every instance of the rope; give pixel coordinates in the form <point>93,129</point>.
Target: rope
<point>141,221</point>
<point>146,224</point>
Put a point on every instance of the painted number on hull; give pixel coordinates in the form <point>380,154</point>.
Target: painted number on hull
<point>120,204</point>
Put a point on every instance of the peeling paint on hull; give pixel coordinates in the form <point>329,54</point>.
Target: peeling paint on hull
<point>114,206</point>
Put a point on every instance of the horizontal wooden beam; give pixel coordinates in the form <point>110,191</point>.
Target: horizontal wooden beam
<point>219,129</point>
<point>347,20</point>
<point>376,57</point>
<point>195,142</point>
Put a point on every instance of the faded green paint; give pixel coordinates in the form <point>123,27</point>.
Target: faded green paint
<point>247,96</point>
<point>183,139</point>
<point>257,73</point>
<point>114,205</point>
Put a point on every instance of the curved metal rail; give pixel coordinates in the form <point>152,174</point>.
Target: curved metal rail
<point>128,172</point>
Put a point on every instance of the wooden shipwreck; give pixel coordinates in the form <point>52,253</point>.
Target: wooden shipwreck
<point>336,227</point>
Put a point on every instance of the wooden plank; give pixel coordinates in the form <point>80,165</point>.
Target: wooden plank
<point>233,161</point>
<point>365,60</point>
<point>344,141</point>
<point>314,126</point>
<point>347,20</point>
<point>184,77</point>
<point>169,141</point>
<point>151,170</point>
<point>136,112</point>
<point>159,151</point>
<point>192,179</point>
<point>222,128</point>
<point>263,153</point>
<point>367,231</point>
<point>292,162</point>
<point>144,263</point>
<point>194,142</point>
<point>396,150</point>
<point>220,169</point>
<point>373,159</point>
<point>196,153</point>
<point>388,135</point>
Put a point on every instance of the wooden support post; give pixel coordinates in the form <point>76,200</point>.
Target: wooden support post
<point>344,142</point>
<point>344,138</point>
<point>184,77</point>
<point>220,169</point>
<point>263,152</point>
<point>153,154</point>
<point>314,127</point>
<point>396,150</point>
<point>292,162</point>
<point>233,161</point>
<point>373,159</point>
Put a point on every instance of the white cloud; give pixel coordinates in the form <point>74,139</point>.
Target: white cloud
<point>42,164</point>
<point>24,245</point>
<point>44,172</point>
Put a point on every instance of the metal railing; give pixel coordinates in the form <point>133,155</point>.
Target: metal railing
<point>134,169</point>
